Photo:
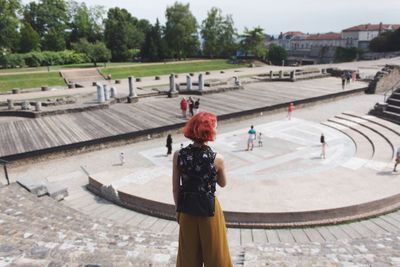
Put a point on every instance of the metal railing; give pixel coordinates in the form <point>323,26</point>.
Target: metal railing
<point>4,163</point>
<point>390,91</point>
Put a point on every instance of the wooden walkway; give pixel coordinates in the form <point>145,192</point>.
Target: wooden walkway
<point>28,135</point>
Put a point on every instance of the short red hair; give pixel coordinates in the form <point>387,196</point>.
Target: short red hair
<point>201,127</point>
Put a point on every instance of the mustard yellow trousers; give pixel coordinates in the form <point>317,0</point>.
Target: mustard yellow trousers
<point>203,240</point>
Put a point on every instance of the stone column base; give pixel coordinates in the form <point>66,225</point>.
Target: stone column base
<point>133,99</point>
<point>173,94</point>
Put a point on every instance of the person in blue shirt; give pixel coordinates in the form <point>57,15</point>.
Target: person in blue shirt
<point>252,136</point>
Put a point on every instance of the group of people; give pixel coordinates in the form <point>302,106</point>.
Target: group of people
<point>190,104</point>
<point>253,136</point>
<point>346,77</point>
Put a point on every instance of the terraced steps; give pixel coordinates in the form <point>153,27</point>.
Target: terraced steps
<point>383,150</point>
<point>42,232</point>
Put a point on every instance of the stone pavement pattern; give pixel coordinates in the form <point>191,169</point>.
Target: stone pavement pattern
<point>41,232</point>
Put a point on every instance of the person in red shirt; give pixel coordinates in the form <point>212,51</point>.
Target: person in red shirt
<point>184,106</point>
<point>290,110</point>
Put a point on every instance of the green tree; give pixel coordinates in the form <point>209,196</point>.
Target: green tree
<point>228,37</point>
<point>54,40</point>
<point>253,42</point>
<point>123,32</point>
<point>49,19</point>
<point>96,52</point>
<point>9,24</point>
<point>218,34</point>
<point>181,31</point>
<point>29,40</point>
<point>343,54</point>
<point>386,42</point>
<point>276,54</point>
<point>154,45</point>
<point>115,33</point>
<point>85,22</point>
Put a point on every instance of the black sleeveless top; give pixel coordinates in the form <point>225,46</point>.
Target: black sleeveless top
<point>197,169</point>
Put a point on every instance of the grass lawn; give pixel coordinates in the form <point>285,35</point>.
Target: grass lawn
<point>163,69</point>
<point>70,66</point>
<point>37,77</point>
<point>36,80</point>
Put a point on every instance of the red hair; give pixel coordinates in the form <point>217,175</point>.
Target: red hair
<point>201,127</point>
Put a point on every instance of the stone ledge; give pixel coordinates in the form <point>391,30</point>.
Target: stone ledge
<point>260,219</point>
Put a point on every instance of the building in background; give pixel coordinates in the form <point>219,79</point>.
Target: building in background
<point>360,36</point>
<point>320,48</point>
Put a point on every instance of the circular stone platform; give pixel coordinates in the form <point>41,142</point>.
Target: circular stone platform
<point>283,183</point>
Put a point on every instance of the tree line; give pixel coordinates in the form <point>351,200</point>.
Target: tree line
<point>386,42</point>
<point>115,34</point>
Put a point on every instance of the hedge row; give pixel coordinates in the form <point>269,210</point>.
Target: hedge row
<point>46,58</point>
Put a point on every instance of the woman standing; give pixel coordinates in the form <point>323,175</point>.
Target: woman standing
<point>169,145</point>
<point>323,146</point>
<point>290,110</point>
<point>184,106</point>
<point>196,171</point>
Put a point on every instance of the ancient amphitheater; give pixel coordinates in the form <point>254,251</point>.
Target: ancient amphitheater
<point>284,205</point>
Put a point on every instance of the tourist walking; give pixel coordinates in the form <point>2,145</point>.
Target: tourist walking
<point>343,76</point>
<point>169,145</point>
<point>260,138</point>
<point>122,159</point>
<point>191,105</point>
<point>196,171</point>
<point>323,146</point>
<point>397,161</point>
<point>252,136</point>
<point>290,110</point>
<point>184,106</point>
<point>196,106</point>
<point>348,77</point>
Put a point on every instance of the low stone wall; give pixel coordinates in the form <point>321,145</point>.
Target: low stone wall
<point>253,219</point>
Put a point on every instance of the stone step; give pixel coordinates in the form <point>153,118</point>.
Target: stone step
<point>42,187</point>
<point>393,102</point>
<point>391,137</point>
<point>383,150</point>
<point>34,186</point>
<point>395,96</point>
<point>392,108</point>
<point>364,148</point>
<point>380,121</point>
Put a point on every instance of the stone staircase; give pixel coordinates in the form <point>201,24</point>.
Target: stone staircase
<point>42,187</point>
<point>376,140</point>
<point>393,106</point>
<point>82,77</point>
<point>389,110</point>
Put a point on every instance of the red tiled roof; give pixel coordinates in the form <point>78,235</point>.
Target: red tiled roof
<point>325,36</point>
<point>293,33</point>
<point>373,27</point>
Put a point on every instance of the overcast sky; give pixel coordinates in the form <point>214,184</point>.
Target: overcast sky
<point>274,16</point>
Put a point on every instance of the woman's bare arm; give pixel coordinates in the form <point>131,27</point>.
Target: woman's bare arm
<point>221,174</point>
<point>175,177</point>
